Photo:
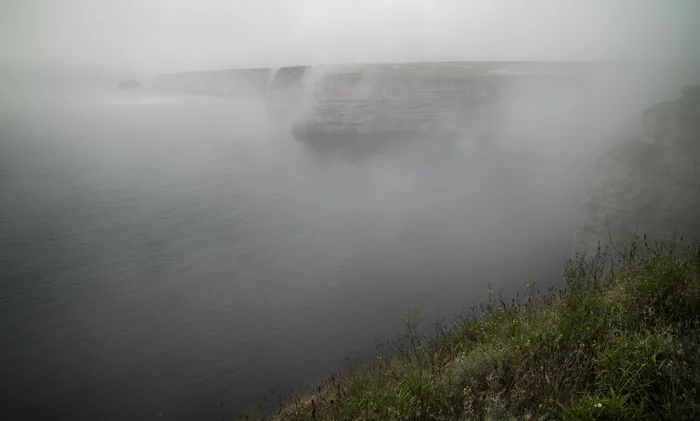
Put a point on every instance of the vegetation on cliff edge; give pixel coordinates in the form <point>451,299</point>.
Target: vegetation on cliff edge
<point>620,342</point>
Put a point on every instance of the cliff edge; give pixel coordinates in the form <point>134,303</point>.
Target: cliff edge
<point>650,186</point>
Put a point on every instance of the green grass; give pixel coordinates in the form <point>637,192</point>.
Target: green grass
<point>619,342</point>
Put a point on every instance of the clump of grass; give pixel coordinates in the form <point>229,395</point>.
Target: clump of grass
<point>618,342</point>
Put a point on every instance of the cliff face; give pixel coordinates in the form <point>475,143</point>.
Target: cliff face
<point>384,99</point>
<point>383,102</point>
<point>651,185</point>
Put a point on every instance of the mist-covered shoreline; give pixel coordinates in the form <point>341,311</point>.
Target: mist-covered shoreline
<point>204,204</point>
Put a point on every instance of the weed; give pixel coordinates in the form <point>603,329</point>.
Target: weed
<point>619,342</point>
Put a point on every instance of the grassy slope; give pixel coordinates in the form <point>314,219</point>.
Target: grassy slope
<point>618,343</point>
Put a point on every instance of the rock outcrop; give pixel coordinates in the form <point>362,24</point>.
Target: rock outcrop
<point>386,101</point>
<point>650,186</point>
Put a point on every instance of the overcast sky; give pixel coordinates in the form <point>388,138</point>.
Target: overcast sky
<point>205,34</point>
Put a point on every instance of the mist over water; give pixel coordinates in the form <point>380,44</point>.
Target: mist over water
<point>162,254</point>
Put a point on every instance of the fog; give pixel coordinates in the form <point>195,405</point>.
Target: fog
<point>163,252</point>
<point>170,35</point>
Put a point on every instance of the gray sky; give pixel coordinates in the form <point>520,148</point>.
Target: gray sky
<point>205,34</point>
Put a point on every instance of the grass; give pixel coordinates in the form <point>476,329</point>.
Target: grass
<point>619,342</point>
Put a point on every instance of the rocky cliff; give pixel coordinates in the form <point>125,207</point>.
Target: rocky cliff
<point>366,102</point>
<point>649,186</point>
<point>376,101</point>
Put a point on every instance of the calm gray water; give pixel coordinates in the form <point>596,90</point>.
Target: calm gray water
<point>161,255</point>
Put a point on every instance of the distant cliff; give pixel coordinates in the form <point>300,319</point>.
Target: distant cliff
<point>318,103</point>
<point>650,185</point>
<point>378,100</point>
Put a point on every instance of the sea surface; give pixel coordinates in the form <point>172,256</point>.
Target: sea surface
<point>162,255</point>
